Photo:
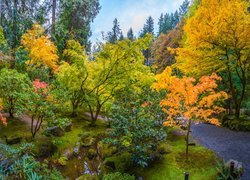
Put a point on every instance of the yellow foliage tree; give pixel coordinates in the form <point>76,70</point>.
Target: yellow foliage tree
<point>217,40</point>
<point>42,52</point>
<point>189,100</point>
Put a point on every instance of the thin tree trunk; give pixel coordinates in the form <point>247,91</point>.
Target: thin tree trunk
<point>53,30</point>
<point>187,137</point>
<point>1,11</point>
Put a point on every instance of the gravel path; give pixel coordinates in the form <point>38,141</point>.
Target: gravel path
<point>226,143</point>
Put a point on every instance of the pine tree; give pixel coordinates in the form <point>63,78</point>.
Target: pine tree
<point>74,19</point>
<point>121,37</point>
<point>167,26</point>
<point>175,19</point>
<point>183,10</point>
<point>161,24</point>
<point>130,34</point>
<point>148,27</point>
<point>115,34</point>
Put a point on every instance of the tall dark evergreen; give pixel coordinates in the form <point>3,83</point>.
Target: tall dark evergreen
<point>74,20</point>
<point>148,27</point>
<point>121,37</point>
<point>130,34</point>
<point>115,33</point>
<point>17,16</point>
<point>175,19</point>
<point>161,24</point>
<point>183,10</point>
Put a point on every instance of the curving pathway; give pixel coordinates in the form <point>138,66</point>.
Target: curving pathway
<point>226,143</point>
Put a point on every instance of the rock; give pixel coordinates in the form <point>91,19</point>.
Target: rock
<point>77,148</point>
<point>87,177</point>
<point>110,165</point>
<point>68,127</point>
<point>91,153</point>
<point>55,131</point>
<point>106,150</point>
<point>237,165</point>
<point>46,148</point>
<point>87,140</point>
<point>68,153</point>
<point>13,140</point>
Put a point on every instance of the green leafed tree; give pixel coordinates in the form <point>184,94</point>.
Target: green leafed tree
<point>72,75</point>
<point>14,91</point>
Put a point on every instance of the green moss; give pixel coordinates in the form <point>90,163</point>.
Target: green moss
<point>15,127</point>
<point>202,164</point>
<point>80,126</point>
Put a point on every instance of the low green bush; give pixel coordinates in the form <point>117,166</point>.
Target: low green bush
<point>237,124</point>
<point>118,175</point>
<point>18,163</point>
<point>61,122</point>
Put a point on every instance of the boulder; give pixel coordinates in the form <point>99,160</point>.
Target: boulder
<point>68,127</point>
<point>87,140</point>
<point>109,165</point>
<point>91,154</point>
<point>237,165</point>
<point>13,140</point>
<point>76,150</point>
<point>55,131</point>
<point>88,177</point>
<point>68,153</point>
<point>46,148</point>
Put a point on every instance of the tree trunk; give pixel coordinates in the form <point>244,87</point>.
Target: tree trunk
<point>187,138</point>
<point>35,129</point>
<point>74,108</point>
<point>1,11</point>
<point>11,108</point>
<point>53,30</point>
<point>94,117</point>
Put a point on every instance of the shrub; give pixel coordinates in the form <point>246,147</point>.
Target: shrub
<point>237,124</point>
<point>118,175</point>
<point>17,163</point>
<point>61,122</point>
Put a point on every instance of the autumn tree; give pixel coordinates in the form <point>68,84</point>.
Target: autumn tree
<point>14,91</point>
<point>217,39</point>
<point>72,75</point>
<point>162,56</point>
<point>189,99</point>
<point>40,106</point>
<point>41,51</point>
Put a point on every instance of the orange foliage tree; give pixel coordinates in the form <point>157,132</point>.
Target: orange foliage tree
<point>42,51</point>
<point>189,99</point>
<point>217,40</point>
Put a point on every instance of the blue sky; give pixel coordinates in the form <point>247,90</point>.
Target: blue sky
<point>130,13</point>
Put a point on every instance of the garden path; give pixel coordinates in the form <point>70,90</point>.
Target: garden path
<point>226,143</point>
